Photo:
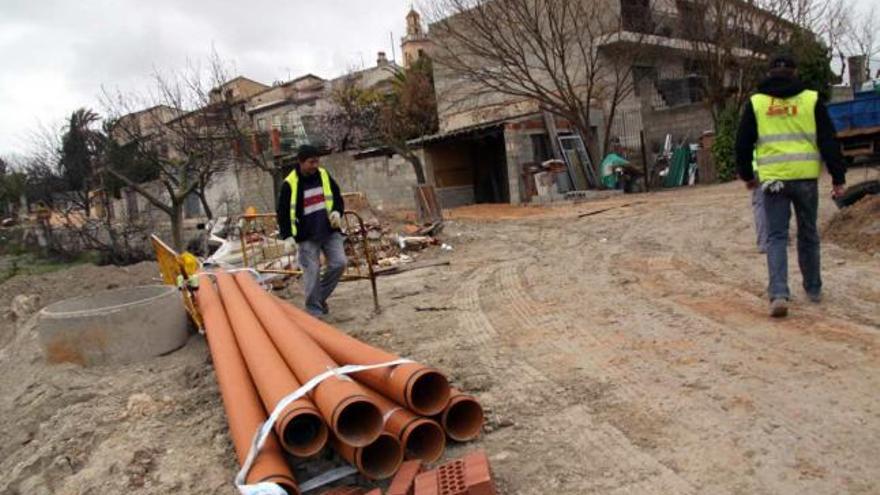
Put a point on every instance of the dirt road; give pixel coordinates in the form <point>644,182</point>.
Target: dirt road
<point>624,352</point>
<point>630,351</point>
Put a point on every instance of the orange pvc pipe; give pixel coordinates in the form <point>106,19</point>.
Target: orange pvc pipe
<point>417,387</point>
<point>244,411</point>
<point>300,428</point>
<point>421,438</point>
<point>378,460</point>
<point>463,417</point>
<point>352,415</point>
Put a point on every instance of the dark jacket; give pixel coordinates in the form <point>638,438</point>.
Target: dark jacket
<point>315,226</point>
<point>747,135</point>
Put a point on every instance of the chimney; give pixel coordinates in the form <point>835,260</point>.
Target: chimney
<point>381,60</point>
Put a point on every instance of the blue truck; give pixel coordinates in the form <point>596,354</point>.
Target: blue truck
<point>857,124</point>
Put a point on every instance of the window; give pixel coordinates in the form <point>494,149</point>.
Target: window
<point>541,147</point>
<point>276,121</point>
<point>261,124</point>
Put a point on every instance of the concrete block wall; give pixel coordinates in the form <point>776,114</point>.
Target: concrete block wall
<point>255,189</point>
<point>518,150</point>
<point>684,122</point>
<point>386,181</point>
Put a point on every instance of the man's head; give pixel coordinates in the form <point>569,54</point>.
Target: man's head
<point>307,156</point>
<point>782,64</point>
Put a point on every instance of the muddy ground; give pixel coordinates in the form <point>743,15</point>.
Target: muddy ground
<point>623,352</point>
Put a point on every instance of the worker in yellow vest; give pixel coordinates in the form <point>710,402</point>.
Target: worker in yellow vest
<point>787,130</point>
<point>310,209</point>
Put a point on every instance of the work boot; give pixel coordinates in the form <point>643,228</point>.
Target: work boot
<point>778,308</point>
<point>815,298</point>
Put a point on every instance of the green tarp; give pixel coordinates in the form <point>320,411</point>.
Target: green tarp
<point>678,167</point>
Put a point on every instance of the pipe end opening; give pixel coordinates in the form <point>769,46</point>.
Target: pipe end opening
<point>463,420</point>
<point>429,393</point>
<point>425,441</point>
<point>359,422</point>
<point>305,435</point>
<point>382,458</point>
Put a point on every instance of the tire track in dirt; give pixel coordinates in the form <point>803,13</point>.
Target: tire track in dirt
<point>708,417</point>
<point>525,315</point>
<point>732,313</point>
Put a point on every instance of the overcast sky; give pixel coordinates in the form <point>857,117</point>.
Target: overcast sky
<point>56,54</point>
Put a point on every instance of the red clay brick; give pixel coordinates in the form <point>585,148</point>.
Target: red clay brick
<point>470,475</point>
<point>403,483</point>
<point>427,483</point>
<point>478,474</point>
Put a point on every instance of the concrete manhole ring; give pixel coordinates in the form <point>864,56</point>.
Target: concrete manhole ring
<point>113,327</point>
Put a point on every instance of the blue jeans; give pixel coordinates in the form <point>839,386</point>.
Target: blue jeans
<point>804,196</point>
<point>318,288</point>
<point>760,218</point>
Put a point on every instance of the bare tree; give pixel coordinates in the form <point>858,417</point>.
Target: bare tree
<point>863,35</point>
<point>352,119</point>
<point>550,52</point>
<point>183,136</point>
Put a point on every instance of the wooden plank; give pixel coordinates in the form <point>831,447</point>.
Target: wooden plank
<point>860,131</point>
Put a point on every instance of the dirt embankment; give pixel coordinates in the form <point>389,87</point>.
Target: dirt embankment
<point>858,226</point>
<point>153,428</point>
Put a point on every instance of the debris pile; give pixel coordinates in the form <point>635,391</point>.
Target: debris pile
<point>321,387</point>
<point>857,226</point>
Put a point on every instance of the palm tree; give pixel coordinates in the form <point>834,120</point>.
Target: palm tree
<point>80,147</point>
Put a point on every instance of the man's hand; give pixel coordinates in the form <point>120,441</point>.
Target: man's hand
<point>335,219</point>
<point>289,245</point>
<point>751,184</point>
<point>838,190</point>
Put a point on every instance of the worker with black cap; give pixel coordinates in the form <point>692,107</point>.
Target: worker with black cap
<point>786,130</point>
<point>310,209</point>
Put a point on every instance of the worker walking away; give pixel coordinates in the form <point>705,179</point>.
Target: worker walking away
<point>310,210</point>
<point>786,128</point>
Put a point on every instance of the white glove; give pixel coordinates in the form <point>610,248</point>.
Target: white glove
<point>335,219</point>
<point>289,245</point>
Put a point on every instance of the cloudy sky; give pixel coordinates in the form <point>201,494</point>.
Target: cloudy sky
<point>56,54</point>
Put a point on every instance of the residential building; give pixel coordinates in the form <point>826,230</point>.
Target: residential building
<point>488,140</point>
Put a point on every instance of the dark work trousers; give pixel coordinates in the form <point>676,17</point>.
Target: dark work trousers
<point>803,195</point>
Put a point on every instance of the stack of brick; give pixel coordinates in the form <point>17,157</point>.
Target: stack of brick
<point>469,475</point>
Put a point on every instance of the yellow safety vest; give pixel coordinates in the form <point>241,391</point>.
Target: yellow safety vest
<point>786,148</point>
<point>293,180</point>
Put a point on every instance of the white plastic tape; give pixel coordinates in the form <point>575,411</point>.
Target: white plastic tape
<point>263,431</point>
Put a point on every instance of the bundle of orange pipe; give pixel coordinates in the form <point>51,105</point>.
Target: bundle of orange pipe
<point>374,419</point>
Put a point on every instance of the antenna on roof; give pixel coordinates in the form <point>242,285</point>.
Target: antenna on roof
<point>393,51</point>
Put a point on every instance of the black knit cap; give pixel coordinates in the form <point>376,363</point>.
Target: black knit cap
<point>783,60</point>
<point>307,151</point>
